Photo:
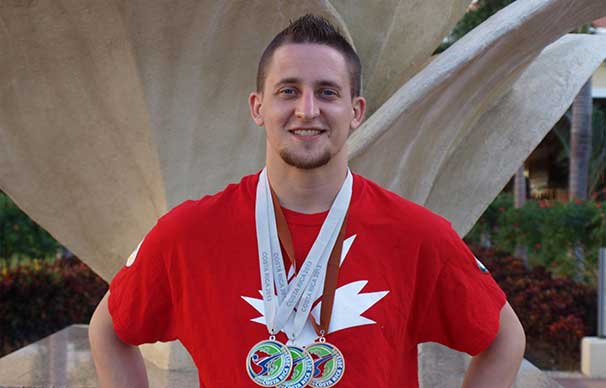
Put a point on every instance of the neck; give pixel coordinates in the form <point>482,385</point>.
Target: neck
<point>306,191</point>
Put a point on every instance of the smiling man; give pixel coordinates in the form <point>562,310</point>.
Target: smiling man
<point>305,273</point>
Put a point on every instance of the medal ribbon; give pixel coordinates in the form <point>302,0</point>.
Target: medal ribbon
<point>306,287</point>
<point>332,270</point>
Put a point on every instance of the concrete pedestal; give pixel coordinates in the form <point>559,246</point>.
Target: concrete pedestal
<point>441,367</point>
<point>64,360</point>
<point>593,356</point>
<point>168,355</point>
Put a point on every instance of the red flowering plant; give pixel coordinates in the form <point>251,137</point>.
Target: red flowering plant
<point>555,312</point>
<point>38,298</point>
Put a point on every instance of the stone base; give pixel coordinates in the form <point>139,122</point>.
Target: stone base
<point>168,355</point>
<point>593,356</point>
<point>63,359</point>
<point>442,367</point>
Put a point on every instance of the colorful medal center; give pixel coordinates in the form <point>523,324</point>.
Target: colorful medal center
<point>269,363</point>
<point>329,364</point>
<point>302,369</point>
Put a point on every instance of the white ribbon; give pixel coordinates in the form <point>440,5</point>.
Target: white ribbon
<point>308,284</point>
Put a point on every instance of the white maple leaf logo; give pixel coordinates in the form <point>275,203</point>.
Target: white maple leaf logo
<point>348,307</point>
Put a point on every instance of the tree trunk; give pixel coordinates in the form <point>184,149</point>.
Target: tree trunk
<point>580,144</point>
<point>519,199</point>
<point>580,151</point>
<point>519,188</point>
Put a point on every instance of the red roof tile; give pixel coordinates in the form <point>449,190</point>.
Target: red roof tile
<point>600,23</point>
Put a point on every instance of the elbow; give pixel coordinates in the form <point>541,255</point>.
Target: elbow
<point>516,335</point>
<point>520,339</point>
<point>93,329</point>
<point>512,336</point>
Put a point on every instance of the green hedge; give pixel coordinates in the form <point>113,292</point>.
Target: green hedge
<point>550,230</point>
<point>20,237</point>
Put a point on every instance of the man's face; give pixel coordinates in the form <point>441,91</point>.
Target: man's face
<point>306,105</point>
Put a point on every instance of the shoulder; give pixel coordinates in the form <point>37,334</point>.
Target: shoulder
<point>380,203</point>
<point>234,200</point>
<point>435,240</point>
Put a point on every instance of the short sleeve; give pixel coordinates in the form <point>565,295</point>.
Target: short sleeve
<point>140,300</point>
<point>463,309</point>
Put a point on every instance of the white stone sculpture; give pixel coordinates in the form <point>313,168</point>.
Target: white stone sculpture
<point>113,112</point>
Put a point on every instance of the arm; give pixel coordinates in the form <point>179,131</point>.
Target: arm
<point>497,365</point>
<point>117,364</point>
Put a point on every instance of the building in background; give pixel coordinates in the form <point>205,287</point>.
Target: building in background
<point>546,169</point>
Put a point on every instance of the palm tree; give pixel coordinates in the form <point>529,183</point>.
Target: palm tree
<point>580,151</point>
<point>519,188</point>
<point>519,199</point>
<point>580,140</point>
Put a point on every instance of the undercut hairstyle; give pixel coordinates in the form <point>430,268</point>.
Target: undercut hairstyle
<point>313,29</point>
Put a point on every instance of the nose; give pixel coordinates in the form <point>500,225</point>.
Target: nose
<point>307,107</point>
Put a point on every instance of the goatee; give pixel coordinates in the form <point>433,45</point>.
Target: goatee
<point>305,163</point>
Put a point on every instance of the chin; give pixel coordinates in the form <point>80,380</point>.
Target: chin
<point>306,162</point>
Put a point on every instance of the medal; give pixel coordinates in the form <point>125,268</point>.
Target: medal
<point>269,363</point>
<point>329,364</point>
<point>302,368</point>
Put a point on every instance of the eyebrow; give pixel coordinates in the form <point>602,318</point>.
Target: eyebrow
<point>295,80</point>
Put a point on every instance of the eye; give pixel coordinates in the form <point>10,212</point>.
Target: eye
<point>329,93</point>
<point>287,91</point>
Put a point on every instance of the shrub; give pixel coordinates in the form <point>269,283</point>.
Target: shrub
<point>20,236</point>
<point>555,312</point>
<point>41,297</point>
<point>551,232</point>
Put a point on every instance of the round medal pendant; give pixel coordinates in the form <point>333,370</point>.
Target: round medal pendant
<point>329,364</point>
<point>269,363</point>
<point>302,368</point>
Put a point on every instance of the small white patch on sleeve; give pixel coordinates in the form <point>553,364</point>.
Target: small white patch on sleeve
<point>481,266</point>
<point>133,256</point>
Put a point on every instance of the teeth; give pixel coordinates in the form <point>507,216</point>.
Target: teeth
<point>307,132</point>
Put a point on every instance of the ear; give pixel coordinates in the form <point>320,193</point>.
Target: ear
<point>254,103</point>
<point>359,111</point>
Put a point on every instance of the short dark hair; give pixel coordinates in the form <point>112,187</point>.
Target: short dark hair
<point>313,29</point>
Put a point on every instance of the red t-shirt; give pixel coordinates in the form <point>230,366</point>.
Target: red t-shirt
<point>405,278</point>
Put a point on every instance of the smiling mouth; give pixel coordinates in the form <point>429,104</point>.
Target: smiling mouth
<point>307,132</point>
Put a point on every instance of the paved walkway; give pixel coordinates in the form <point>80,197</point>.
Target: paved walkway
<point>576,380</point>
<point>582,383</point>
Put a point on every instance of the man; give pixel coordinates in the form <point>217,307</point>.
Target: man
<point>395,274</point>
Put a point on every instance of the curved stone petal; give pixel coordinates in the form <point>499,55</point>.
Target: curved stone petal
<point>197,57</point>
<point>507,133</point>
<point>72,77</point>
<point>198,62</point>
<point>395,38</point>
<point>177,46</point>
<point>409,140</point>
<point>75,150</point>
